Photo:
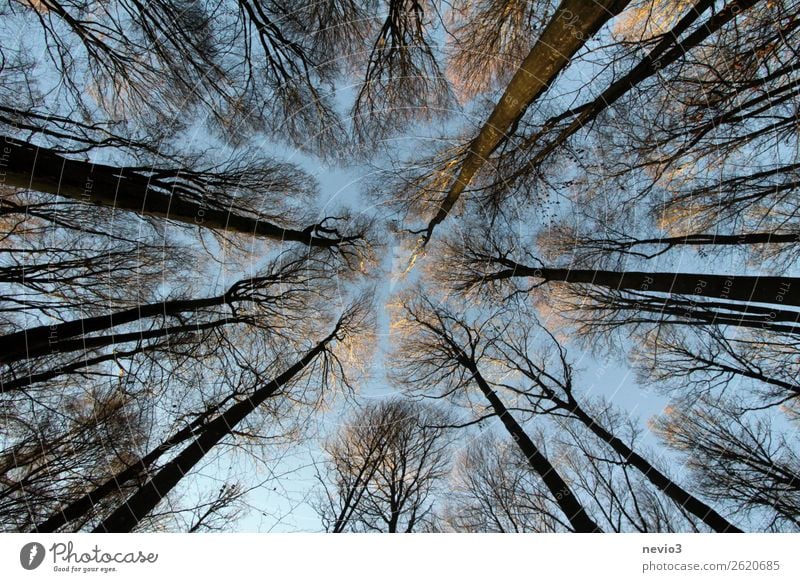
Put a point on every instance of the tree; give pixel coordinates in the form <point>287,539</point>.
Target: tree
<point>286,292</point>
<point>572,24</point>
<point>495,491</point>
<point>710,362</point>
<point>668,50</point>
<point>490,39</point>
<point>245,65</point>
<point>545,387</point>
<point>59,258</point>
<point>125,517</point>
<point>402,80</point>
<point>742,461</point>
<point>171,307</point>
<point>229,199</point>
<point>383,470</point>
<point>489,262</point>
<point>441,349</point>
<point>551,391</point>
<point>47,456</point>
<point>78,510</point>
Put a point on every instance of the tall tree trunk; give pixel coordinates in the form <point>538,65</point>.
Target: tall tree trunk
<point>86,345</point>
<point>765,289</point>
<point>140,504</point>
<point>665,53</point>
<point>84,504</point>
<point>700,239</point>
<point>128,188</point>
<point>572,25</point>
<point>45,339</point>
<point>25,380</point>
<point>663,483</point>
<point>703,312</point>
<point>559,489</point>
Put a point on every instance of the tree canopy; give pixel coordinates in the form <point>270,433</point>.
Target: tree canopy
<point>400,265</point>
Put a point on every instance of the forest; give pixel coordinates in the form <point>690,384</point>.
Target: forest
<point>400,266</point>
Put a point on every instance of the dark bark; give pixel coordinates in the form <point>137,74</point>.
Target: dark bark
<point>765,289</point>
<point>561,492</point>
<point>574,22</point>
<point>750,238</point>
<point>708,312</point>
<point>131,188</point>
<point>49,339</point>
<point>125,518</point>
<point>663,483</point>
<point>24,380</point>
<point>83,505</point>
<point>667,52</point>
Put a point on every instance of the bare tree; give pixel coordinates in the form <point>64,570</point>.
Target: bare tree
<point>152,332</point>
<point>761,369</point>
<point>384,469</point>
<point>125,517</point>
<point>402,81</point>
<point>745,462</point>
<point>441,349</point>
<point>283,295</point>
<point>551,392</point>
<point>572,24</point>
<point>241,197</point>
<point>600,299</point>
<point>490,39</point>
<point>245,65</point>
<point>495,491</point>
<point>47,456</point>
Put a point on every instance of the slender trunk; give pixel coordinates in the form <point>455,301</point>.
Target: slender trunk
<point>667,52</point>
<point>128,188</point>
<point>572,25</point>
<point>703,312</point>
<point>559,489</point>
<point>394,517</point>
<point>25,380</point>
<point>140,504</point>
<point>663,483</point>
<point>85,504</point>
<point>765,289</point>
<point>114,339</point>
<point>751,238</point>
<point>356,491</point>
<point>44,339</point>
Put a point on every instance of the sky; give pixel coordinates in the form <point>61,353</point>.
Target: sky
<point>287,504</point>
<point>283,503</point>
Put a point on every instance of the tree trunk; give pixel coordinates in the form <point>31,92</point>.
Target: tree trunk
<point>766,289</point>
<point>663,483</point>
<point>29,379</point>
<point>125,518</point>
<point>574,23</point>
<point>36,168</point>
<point>668,51</point>
<point>561,492</point>
<point>45,339</point>
<point>84,504</point>
<point>700,239</point>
